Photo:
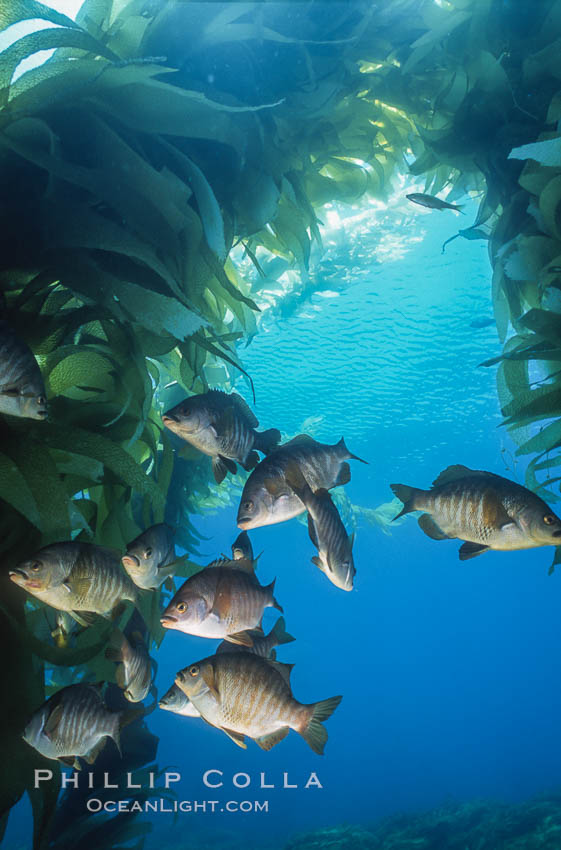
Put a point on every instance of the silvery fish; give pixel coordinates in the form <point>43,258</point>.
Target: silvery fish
<point>245,695</point>
<point>327,532</point>
<point>175,700</point>
<point>134,666</point>
<point>80,578</point>
<point>263,645</point>
<point>22,390</point>
<point>484,509</point>
<point>432,202</point>
<point>223,427</point>
<point>149,557</point>
<point>72,723</point>
<point>242,548</point>
<point>221,601</point>
<point>267,498</point>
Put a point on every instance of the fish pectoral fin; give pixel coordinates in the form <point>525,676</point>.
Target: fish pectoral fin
<point>236,737</point>
<point>70,761</point>
<point>267,742</point>
<point>431,529</point>
<point>220,469</point>
<point>317,561</point>
<point>210,681</point>
<point>276,487</point>
<point>54,719</point>
<point>471,550</point>
<point>79,585</point>
<point>241,638</point>
<point>95,751</point>
<point>66,585</point>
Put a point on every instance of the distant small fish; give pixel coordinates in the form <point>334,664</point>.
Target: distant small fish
<point>223,427</point>
<point>73,723</point>
<point>327,532</point>
<point>22,390</point>
<point>176,701</point>
<point>245,695</point>
<point>263,645</point>
<point>242,548</point>
<point>149,556</point>
<point>134,666</point>
<point>221,601</point>
<point>80,578</point>
<point>484,509</point>
<point>267,498</point>
<point>433,203</point>
<point>65,625</point>
<point>482,323</point>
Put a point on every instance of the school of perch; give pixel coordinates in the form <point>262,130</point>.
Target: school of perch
<point>241,689</point>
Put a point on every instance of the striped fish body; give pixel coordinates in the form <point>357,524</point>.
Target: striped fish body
<point>219,602</point>
<point>223,427</point>
<point>176,701</point>
<point>148,557</point>
<point>248,695</point>
<point>328,534</point>
<point>22,390</point>
<point>76,577</point>
<point>267,497</point>
<point>484,509</point>
<point>74,722</point>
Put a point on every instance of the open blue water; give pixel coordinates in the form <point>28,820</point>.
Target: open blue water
<point>449,670</point>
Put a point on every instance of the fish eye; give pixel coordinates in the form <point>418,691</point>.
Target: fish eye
<point>194,670</point>
<point>41,399</point>
<point>148,552</point>
<point>549,519</point>
<point>35,567</point>
<point>248,506</point>
<point>181,607</point>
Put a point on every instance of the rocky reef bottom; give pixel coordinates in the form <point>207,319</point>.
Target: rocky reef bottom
<point>480,825</point>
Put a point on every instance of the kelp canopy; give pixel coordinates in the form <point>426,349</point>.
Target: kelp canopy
<point>162,133</point>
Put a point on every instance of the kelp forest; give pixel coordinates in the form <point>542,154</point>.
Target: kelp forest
<point>158,171</point>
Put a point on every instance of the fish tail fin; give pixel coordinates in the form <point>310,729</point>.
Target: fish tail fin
<point>266,441</point>
<point>314,732</point>
<point>280,634</point>
<point>274,603</point>
<point>341,445</point>
<point>406,495</point>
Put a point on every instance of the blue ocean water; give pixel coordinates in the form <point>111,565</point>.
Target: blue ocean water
<point>447,669</point>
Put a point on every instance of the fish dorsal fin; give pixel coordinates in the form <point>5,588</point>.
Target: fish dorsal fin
<point>236,737</point>
<point>235,401</point>
<point>209,678</point>
<point>242,564</point>
<point>54,719</point>
<point>300,440</point>
<point>284,669</point>
<point>267,742</point>
<point>454,473</point>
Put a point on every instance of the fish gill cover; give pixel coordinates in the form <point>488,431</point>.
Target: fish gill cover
<point>132,162</point>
